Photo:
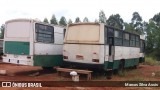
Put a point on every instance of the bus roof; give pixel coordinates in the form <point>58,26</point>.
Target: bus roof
<point>19,19</point>
<point>29,20</point>
<point>95,23</point>
<point>84,23</point>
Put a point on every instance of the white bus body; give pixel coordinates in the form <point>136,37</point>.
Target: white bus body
<point>96,45</point>
<point>29,42</point>
<point>142,48</point>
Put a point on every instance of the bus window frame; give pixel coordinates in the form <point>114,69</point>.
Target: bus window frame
<point>119,31</point>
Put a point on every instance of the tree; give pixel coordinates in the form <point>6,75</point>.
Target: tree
<point>102,17</point>
<point>129,27</point>
<point>45,20</point>
<point>69,21</point>
<point>85,19</point>
<point>2,31</point>
<point>156,19</point>
<point>136,22</point>
<point>63,21</point>
<point>150,37</point>
<point>116,21</point>
<point>53,20</point>
<point>77,20</point>
<point>153,37</point>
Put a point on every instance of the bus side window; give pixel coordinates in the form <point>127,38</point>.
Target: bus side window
<point>64,32</point>
<point>110,41</point>
<point>110,35</point>
<point>143,47</point>
<point>105,35</point>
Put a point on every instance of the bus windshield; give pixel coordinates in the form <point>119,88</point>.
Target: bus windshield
<point>83,33</point>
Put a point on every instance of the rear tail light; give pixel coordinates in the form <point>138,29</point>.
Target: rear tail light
<point>94,53</point>
<point>5,55</point>
<point>95,57</point>
<point>65,57</point>
<point>28,57</point>
<point>79,57</point>
<point>95,60</point>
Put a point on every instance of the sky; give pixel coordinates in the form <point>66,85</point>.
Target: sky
<point>40,9</point>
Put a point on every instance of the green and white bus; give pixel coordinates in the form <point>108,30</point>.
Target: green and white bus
<point>33,43</point>
<point>95,45</point>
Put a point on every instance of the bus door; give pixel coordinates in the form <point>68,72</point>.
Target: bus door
<point>110,35</point>
<point>111,49</point>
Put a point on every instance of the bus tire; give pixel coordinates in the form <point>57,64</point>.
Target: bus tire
<point>135,66</point>
<point>121,65</point>
<point>109,74</point>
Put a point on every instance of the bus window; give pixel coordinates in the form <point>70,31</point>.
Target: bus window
<point>110,35</point>
<point>110,32</point>
<point>64,32</point>
<point>137,41</point>
<point>125,39</point>
<point>105,35</point>
<point>132,40</point>
<point>44,33</point>
<point>118,37</point>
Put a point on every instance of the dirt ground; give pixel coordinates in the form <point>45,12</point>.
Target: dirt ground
<point>25,73</point>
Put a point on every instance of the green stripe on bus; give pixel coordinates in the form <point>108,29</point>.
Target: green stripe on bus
<point>115,63</point>
<point>15,47</point>
<point>48,60</point>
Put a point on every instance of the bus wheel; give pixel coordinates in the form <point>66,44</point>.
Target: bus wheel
<point>109,74</point>
<point>135,66</point>
<point>121,65</point>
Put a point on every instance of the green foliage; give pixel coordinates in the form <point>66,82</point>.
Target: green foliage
<point>77,20</point>
<point>122,73</point>
<point>156,18</point>
<point>151,61</point>
<point>85,19</point>
<point>129,28</point>
<point>63,21</point>
<point>153,37</point>
<point>136,22</point>
<point>116,21</point>
<point>45,20</point>
<point>2,31</point>
<point>102,17</point>
<point>53,20</point>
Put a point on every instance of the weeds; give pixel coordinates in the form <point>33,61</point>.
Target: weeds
<point>151,61</point>
<point>122,73</point>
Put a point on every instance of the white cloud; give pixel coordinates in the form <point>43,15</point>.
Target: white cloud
<point>73,8</point>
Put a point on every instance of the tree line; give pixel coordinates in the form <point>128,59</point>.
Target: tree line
<point>150,28</point>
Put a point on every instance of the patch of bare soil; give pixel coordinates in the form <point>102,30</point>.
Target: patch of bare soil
<point>26,73</point>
